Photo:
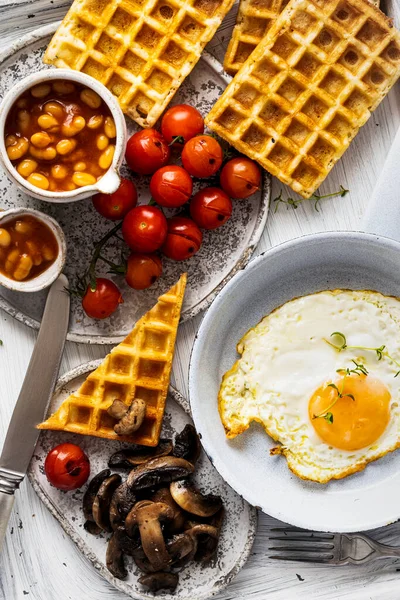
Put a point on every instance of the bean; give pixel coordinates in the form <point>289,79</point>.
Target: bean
<point>73,127</point>
<point>22,103</point>
<point>82,179</point>
<point>34,253</point>
<point>26,167</point>
<point>106,157</point>
<point>70,187</point>
<point>55,110</point>
<point>102,141</point>
<point>47,122</point>
<point>23,268</point>
<point>10,140</point>
<point>41,91</point>
<point>48,153</point>
<point>80,166</point>
<point>23,227</point>
<point>5,238</point>
<point>59,171</point>
<point>18,149</point>
<point>39,181</point>
<point>48,252</point>
<point>66,146</point>
<point>95,122</point>
<point>63,87</point>
<point>90,98</point>
<point>23,120</point>
<point>76,156</point>
<point>41,139</point>
<point>109,127</point>
<point>11,259</point>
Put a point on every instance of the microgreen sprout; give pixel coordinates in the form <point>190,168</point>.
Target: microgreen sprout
<point>316,198</point>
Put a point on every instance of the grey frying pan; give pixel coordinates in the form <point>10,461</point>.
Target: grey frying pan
<point>330,260</point>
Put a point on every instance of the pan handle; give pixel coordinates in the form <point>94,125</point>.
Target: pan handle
<point>383,212</point>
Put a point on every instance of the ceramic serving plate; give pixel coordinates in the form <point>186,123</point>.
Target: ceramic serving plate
<point>222,254</point>
<point>196,582</point>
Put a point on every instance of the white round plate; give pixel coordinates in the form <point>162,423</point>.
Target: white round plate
<point>223,252</point>
<point>196,582</point>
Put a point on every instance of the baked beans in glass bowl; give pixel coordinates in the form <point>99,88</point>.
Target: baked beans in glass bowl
<point>62,136</point>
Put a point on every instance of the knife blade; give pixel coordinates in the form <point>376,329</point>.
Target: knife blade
<point>34,397</point>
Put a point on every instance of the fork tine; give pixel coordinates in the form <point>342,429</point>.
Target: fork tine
<point>302,538</point>
<point>316,547</point>
<point>301,558</point>
<point>319,550</point>
<point>305,532</point>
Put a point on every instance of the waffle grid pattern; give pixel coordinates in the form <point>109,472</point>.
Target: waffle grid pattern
<point>309,86</point>
<point>141,50</point>
<point>139,367</point>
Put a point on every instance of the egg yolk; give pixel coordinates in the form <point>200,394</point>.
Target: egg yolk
<point>356,423</point>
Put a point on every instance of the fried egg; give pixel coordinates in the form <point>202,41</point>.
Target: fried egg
<point>332,406</point>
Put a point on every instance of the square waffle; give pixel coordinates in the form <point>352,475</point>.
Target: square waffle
<point>141,50</point>
<point>139,367</point>
<point>311,83</point>
<point>254,18</point>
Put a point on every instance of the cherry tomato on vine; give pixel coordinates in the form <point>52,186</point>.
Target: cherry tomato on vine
<point>147,151</point>
<point>202,156</point>
<point>101,302</point>
<point>142,270</point>
<point>144,228</point>
<point>183,239</point>
<point>171,186</point>
<point>240,177</point>
<point>210,208</point>
<point>181,121</point>
<point>115,206</point>
<point>67,467</point>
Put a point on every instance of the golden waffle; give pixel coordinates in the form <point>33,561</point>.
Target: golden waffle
<point>254,18</point>
<point>139,367</point>
<point>142,50</point>
<point>311,83</point>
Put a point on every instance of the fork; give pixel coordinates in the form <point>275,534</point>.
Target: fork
<point>329,548</point>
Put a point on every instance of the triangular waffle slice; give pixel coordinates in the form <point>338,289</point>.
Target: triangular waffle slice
<point>139,367</point>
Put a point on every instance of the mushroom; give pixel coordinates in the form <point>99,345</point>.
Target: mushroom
<point>115,558</point>
<point>160,581</point>
<point>121,503</point>
<point>148,516</point>
<point>181,546</point>
<point>206,541</point>
<point>127,544</point>
<point>191,500</point>
<point>101,504</point>
<point>141,561</point>
<point>118,409</point>
<point>88,499</point>
<point>158,471</point>
<point>136,455</point>
<point>133,418</point>
<point>178,520</point>
<point>187,444</point>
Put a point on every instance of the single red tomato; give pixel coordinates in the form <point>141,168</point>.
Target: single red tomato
<point>181,121</point>
<point>144,228</point>
<point>183,239</point>
<point>67,467</point>
<point>202,156</point>
<point>147,151</point>
<point>115,206</point>
<point>142,270</point>
<point>103,300</point>
<point>240,177</point>
<point>210,208</point>
<point>171,186</point>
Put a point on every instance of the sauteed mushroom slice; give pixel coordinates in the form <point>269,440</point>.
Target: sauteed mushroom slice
<point>102,501</point>
<point>190,499</point>
<point>90,494</point>
<point>160,581</point>
<point>137,455</point>
<point>178,520</point>
<point>141,561</point>
<point>127,544</point>
<point>187,444</point>
<point>92,527</point>
<point>180,547</point>
<point>121,503</point>
<point>118,409</point>
<point>115,558</point>
<point>207,537</point>
<point>148,516</point>
<point>133,419</point>
<point>159,471</point>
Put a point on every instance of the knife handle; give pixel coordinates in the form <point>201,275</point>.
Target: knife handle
<point>6,504</point>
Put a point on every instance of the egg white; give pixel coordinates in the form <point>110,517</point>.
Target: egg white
<point>284,359</point>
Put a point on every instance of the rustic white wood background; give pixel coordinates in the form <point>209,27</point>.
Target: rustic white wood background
<point>39,562</point>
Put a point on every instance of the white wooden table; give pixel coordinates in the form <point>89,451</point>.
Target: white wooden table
<point>39,562</point>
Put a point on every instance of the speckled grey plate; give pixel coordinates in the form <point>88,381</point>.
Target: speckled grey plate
<point>222,254</point>
<point>197,582</point>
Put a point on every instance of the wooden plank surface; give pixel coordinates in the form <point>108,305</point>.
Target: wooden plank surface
<point>39,562</point>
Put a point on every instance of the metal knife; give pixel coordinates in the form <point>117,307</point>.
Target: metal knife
<point>34,397</point>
